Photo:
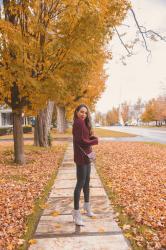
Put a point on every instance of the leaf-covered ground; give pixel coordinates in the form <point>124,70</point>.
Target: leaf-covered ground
<point>20,186</point>
<point>134,174</point>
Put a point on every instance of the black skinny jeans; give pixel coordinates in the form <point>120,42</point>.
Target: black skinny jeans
<point>83,179</point>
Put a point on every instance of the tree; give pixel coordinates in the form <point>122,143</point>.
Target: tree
<point>125,111</point>
<point>160,109</point>
<point>150,111</point>
<point>112,116</point>
<point>98,117</point>
<point>89,57</point>
<point>143,35</point>
<point>15,68</point>
<point>37,40</point>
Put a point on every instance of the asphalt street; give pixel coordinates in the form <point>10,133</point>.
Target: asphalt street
<point>143,134</point>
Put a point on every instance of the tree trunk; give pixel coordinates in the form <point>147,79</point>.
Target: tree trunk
<point>61,119</point>
<point>19,157</point>
<point>43,125</point>
<point>50,109</point>
<point>40,133</point>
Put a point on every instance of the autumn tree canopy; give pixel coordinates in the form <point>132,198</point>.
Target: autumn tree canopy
<point>43,43</point>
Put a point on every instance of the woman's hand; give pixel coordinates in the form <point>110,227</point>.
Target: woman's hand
<point>92,137</point>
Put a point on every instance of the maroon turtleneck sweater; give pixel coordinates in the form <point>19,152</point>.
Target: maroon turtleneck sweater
<point>82,138</point>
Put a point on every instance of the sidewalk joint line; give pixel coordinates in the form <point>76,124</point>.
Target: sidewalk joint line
<point>75,234</point>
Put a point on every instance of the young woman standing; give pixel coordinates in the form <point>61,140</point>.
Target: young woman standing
<point>82,142</point>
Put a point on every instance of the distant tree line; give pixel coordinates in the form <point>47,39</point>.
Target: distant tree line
<point>141,113</point>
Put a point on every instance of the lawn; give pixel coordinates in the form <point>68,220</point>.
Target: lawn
<point>24,190</point>
<point>97,131</point>
<point>134,175</point>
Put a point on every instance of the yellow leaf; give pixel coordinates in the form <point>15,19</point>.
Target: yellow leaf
<point>21,241</point>
<point>10,247</point>
<point>57,225</point>
<point>101,229</point>
<point>126,227</point>
<point>32,241</point>
<point>128,235</point>
<point>55,213</point>
<point>93,217</point>
<point>43,206</point>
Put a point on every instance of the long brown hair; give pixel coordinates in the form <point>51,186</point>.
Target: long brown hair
<point>87,119</point>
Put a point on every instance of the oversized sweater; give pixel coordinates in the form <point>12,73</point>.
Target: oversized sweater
<point>82,138</point>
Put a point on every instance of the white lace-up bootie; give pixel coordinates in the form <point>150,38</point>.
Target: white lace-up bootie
<point>87,209</point>
<point>77,217</point>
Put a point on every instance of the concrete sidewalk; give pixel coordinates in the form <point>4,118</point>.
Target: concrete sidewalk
<point>57,231</point>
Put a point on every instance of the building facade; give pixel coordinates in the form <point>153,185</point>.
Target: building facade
<point>6,120</point>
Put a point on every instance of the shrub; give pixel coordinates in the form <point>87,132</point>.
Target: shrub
<point>5,131</point>
<point>27,129</point>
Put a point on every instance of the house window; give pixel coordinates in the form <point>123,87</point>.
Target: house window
<point>6,119</point>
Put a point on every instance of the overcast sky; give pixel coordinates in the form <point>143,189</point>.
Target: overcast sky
<point>138,78</point>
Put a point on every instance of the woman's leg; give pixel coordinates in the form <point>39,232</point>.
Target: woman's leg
<point>81,177</point>
<point>86,185</point>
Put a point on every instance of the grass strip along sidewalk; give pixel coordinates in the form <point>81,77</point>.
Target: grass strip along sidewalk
<point>23,192</point>
<point>134,174</point>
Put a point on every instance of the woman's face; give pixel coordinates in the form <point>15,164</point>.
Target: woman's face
<point>82,113</point>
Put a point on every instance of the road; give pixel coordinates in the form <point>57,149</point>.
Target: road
<point>143,134</point>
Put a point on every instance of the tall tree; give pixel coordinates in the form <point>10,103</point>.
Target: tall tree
<point>150,111</point>
<point>98,117</point>
<point>37,38</point>
<point>112,116</point>
<point>125,111</point>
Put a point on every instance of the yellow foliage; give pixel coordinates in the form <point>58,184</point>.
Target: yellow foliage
<point>44,57</point>
<point>32,241</point>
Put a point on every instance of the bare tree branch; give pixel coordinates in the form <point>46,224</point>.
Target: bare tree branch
<point>152,32</point>
<point>122,41</point>
<point>142,33</point>
<point>145,34</point>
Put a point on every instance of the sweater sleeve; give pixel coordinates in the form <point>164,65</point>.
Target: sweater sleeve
<point>79,135</point>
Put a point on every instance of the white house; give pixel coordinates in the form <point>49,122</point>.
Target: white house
<point>6,118</point>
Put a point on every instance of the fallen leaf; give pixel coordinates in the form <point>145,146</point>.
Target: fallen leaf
<point>32,241</point>
<point>54,213</point>
<point>126,227</point>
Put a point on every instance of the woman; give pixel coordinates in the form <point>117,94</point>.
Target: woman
<point>82,142</point>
